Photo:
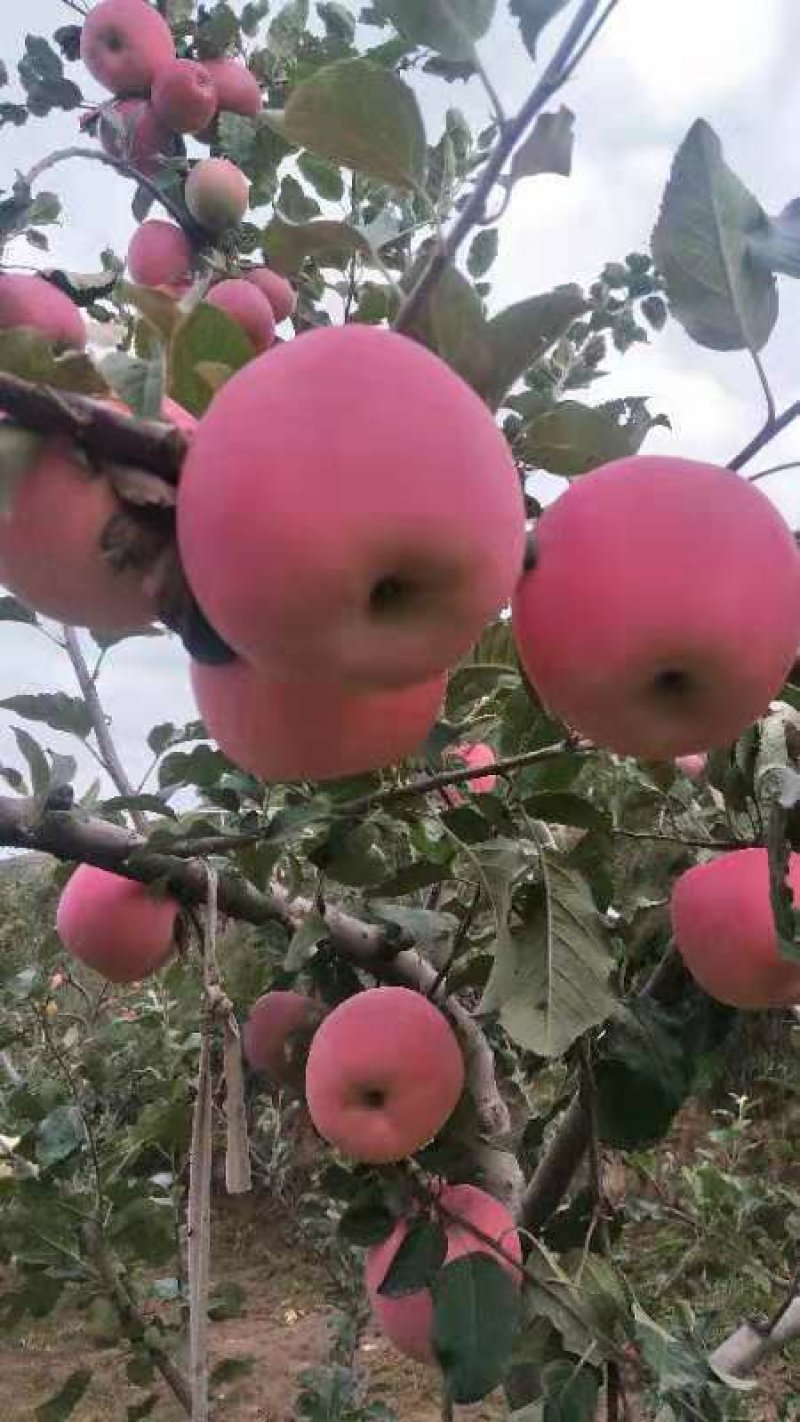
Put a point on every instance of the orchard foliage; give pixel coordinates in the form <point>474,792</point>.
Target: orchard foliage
<point>459,910</point>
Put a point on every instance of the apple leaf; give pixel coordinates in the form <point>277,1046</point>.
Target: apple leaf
<point>139,383</point>
<point>417,1261</point>
<point>361,116</point>
<point>702,245</point>
<point>451,27</point>
<point>26,353</point>
<point>54,709</point>
<point>777,246</point>
<point>207,335</point>
<point>11,610</point>
<point>476,1309</point>
<point>548,148</point>
<point>551,974</point>
<point>533,15</point>
<point>571,438</point>
<point>517,338</point>
<point>287,244</point>
<point>366,1221</point>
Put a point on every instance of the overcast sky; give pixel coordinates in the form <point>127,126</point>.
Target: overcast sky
<point>659,66</point>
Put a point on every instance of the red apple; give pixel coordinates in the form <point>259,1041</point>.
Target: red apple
<point>725,930</point>
<point>384,1073</point>
<point>246,305</point>
<point>279,293</point>
<point>29,300</point>
<point>472,756</point>
<point>370,518</point>
<point>277,1035</point>
<point>663,612</point>
<point>407,1321</point>
<point>296,731</point>
<point>237,89</point>
<point>217,194</point>
<point>692,766</point>
<point>120,928</point>
<point>160,254</point>
<point>124,44</point>
<point>184,96</point>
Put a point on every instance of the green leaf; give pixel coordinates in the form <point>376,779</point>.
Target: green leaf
<point>451,27</point>
<point>519,337</point>
<point>644,1074</point>
<point>476,1308</point>
<point>323,176</point>
<point>13,611</point>
<point>54,709</point>
<point>452,322</point>
<point>59,1135</point>
<point>560,807</point>
<point>360,116</point>
<point>367,1221</point>
<point>483,252</point>
<point>287,244</point>
<point>337,19</point>
<point>35,759</point>
<point>723,298</point>
<point>417,1261</point>
<point>573,438</point>
<point>570,1394</point>
<point>228,1300</point>
<point>548,148</point>
<point>207,335</point>
<point>19,450</point>
<point>140,383</point>
<point>533,15</point>
<point>286,30</point>
<point>552,985</point>
<point>777,246</point>
<point>63,1403</point>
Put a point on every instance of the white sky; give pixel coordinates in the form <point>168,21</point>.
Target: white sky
<point>660,65</point>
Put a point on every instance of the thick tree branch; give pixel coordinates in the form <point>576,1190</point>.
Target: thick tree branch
<point>553,78</point>
<point>103,432</point>
<point>69,835</point>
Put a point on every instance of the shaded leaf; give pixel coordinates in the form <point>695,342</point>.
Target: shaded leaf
<point>519,337</point>
<point>26,353</point>
<point>417,1261</point>
<point>723,298</point>
<point>572,438</point>
<point>19,450</point>
<point>312,930</point>
<point>206,335</point>
<point>449,26</point>
<point>482,252</point>
<point>476,1308</point>
<point>35,759</point>
<point>139,383</point>
<point>533,15</point>
<point>776,246</point>
<point>361,116</point>
<point>63,1403</point>
<point>548,148</point>
<point>54,709</point>
<point>366,1221</point>
<point>287,244</point>
<point>59,1135</point>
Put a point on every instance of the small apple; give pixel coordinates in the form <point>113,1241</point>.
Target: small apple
<point>237,89</point>
<point>384,1073</point>
<point>116,926</point>
<point>160,254</point>
<point>217,194</point>
<point>277,1035</point>
<point>184,96</point>
<point>248,307</point>
<point>278,291</point>
<point>28,300</point>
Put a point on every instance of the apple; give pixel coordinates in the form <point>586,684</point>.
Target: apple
<point>217,194</point>
<point>124,44</point>
<point>370,519</point>
<point>118,927</point>
<point>50,546</point>
<point>472,756</point>
<point>184,96</point>
<point>692,766</point>
<point>279,293</point>
<point>29,300</point>
<point>160,254</point>
<point>237,89</point>
<point>246,305</point>
<point>663,612</point>
<point>725,930</point>
<point>384,1073</point>
<point>130,131</point>
<point>293,731</point>
<point>407,1321</point>
<point>277,1035</point>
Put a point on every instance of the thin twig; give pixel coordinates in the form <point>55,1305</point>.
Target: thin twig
<point>193,230</point>
<point>774,469</point>
<point>678,839</point>
<point>100,726</point>
<point>766,434</point>
<point>554,76</point>
<point>491,93</point>
<point>765,385</point>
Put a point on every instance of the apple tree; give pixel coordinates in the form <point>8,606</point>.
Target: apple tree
<point>501,797</point>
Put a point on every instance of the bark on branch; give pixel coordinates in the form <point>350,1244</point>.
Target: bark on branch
<point>106,434</point>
